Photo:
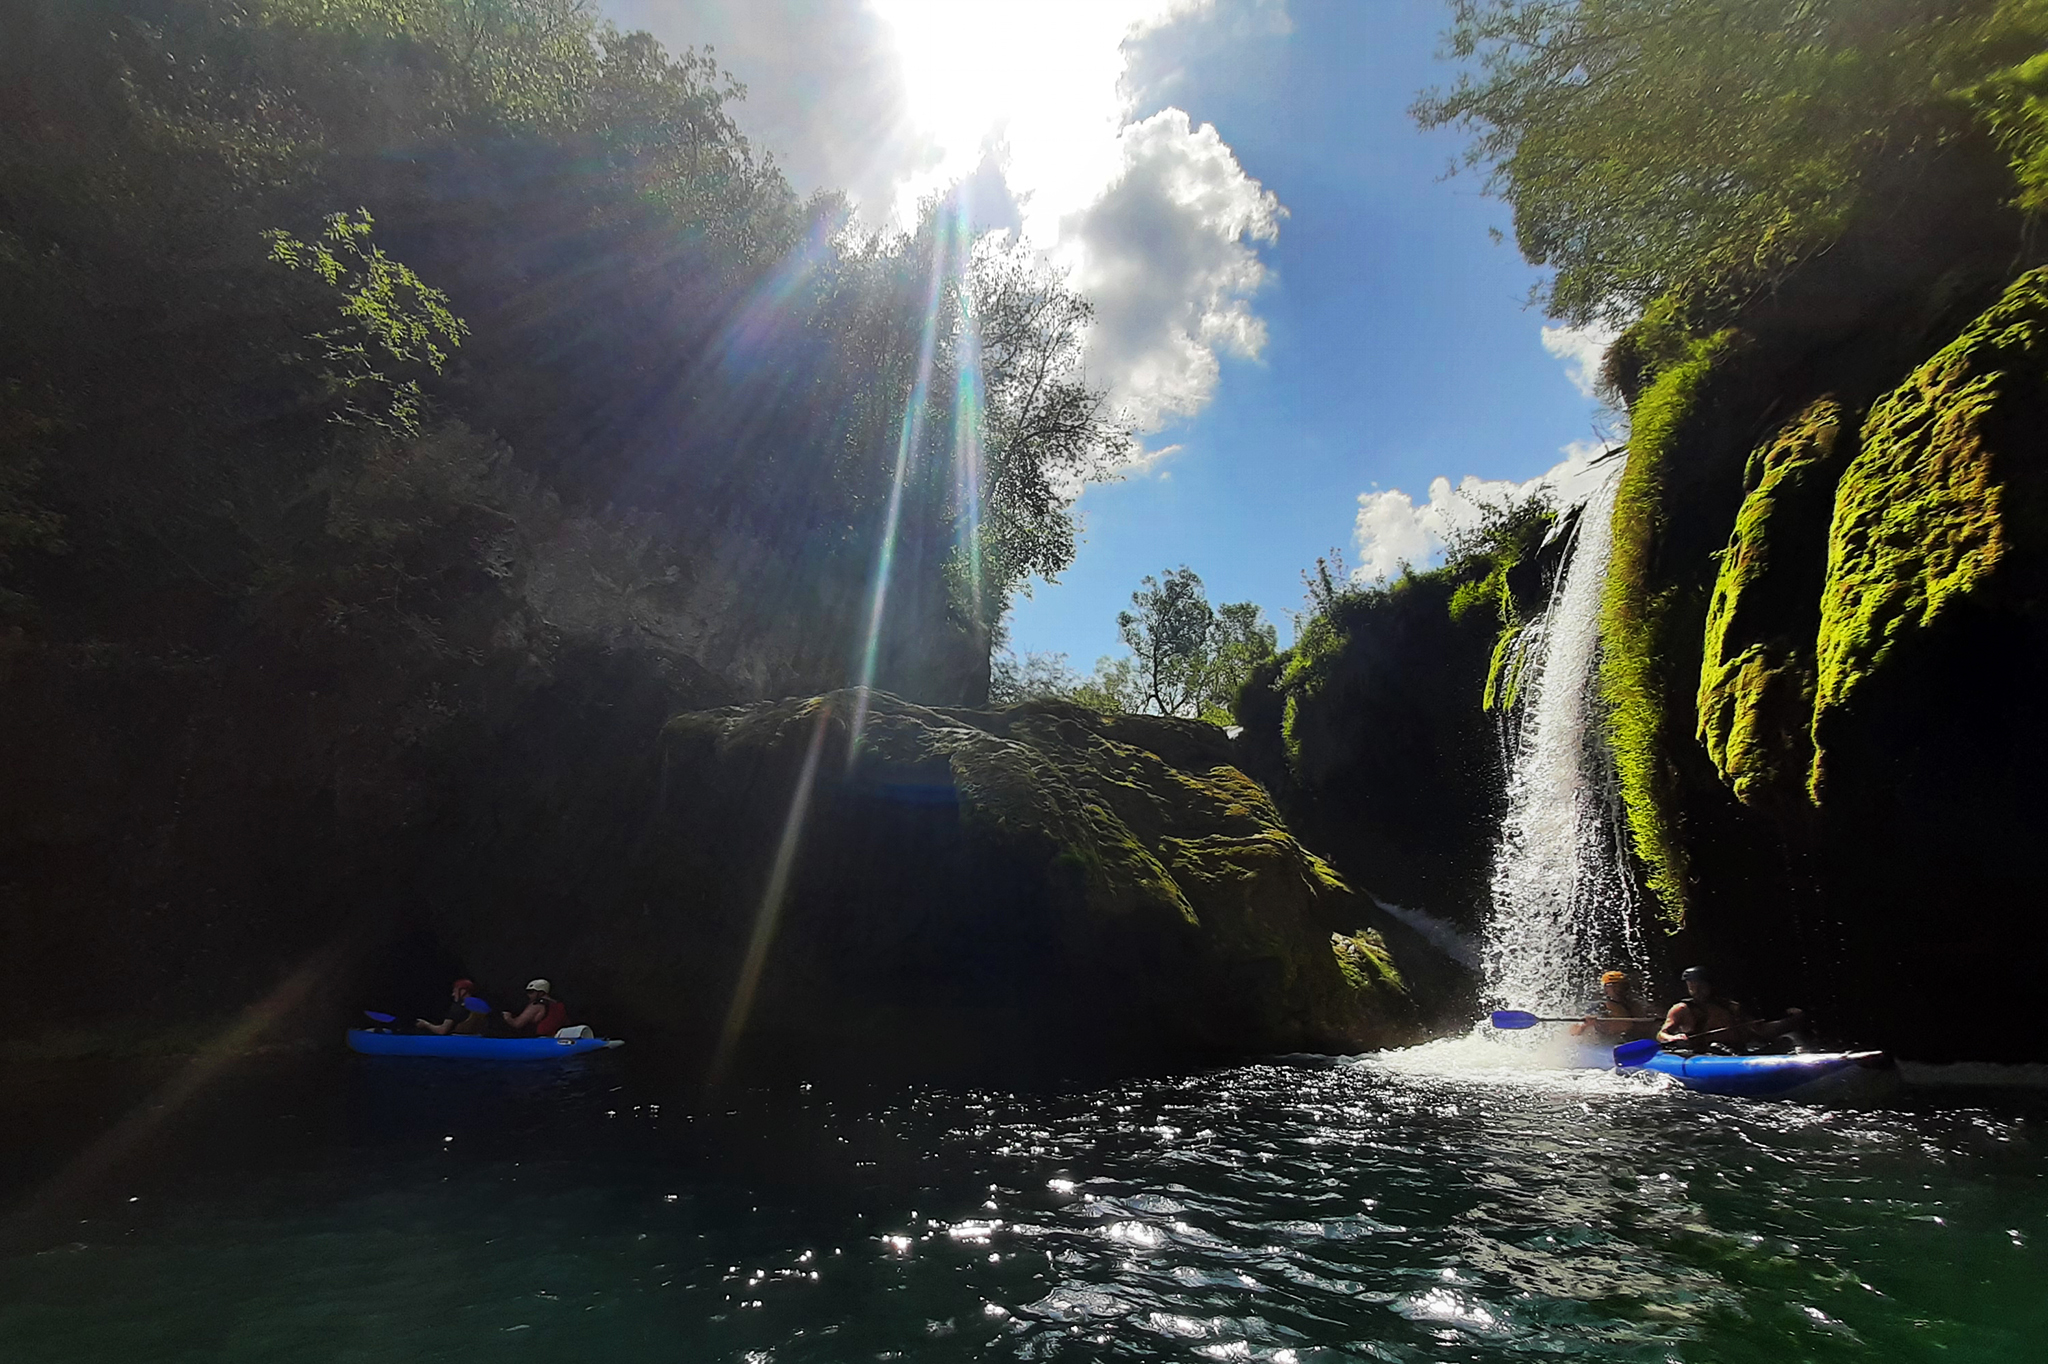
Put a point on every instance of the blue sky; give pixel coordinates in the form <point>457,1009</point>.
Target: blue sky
<point>1379,339</point>
<point>1400,347</point>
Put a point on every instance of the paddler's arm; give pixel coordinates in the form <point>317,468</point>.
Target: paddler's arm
<point>1677,1025</point>
<point>1792,1021</point>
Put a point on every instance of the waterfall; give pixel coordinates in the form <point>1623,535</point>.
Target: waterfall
<point>1564,908</point>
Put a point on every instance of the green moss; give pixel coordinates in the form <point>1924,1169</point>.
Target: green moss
<point>1481,594</point>
<point>1920,517</point>
<point>1663,337</point>
<point>1364,960</point>
<point>1633,614</point>
<point>1755,698</point>
<point>1504,671</point>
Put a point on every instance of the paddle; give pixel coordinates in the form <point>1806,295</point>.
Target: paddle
<point>1514,1020</point>
<point>471,1003</point>
<point>1635,1053</point>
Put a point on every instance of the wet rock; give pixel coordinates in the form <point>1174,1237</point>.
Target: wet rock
<point>836,884</point>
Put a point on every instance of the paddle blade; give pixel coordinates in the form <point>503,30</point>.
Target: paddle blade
<point>1513,1020</point>
<point>1635,1053</point>
<point>475,1005</point>
<point>376,1017</point>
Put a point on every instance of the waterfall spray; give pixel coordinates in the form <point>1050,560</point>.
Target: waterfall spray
<point>1563,904</point>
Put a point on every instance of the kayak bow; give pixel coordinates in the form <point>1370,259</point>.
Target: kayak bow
<point>1760,1077</point>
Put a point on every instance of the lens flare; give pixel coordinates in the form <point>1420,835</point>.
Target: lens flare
<point>910,434</point>
<point>968,409</point>
<point>769,914</point>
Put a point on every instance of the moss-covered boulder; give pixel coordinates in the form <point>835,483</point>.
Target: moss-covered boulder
<point>836,884</point>
<point>1756,672</point>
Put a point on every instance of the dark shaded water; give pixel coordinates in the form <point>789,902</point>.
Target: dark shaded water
<point>344,1209</point>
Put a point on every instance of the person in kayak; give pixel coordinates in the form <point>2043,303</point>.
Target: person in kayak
<point>1705,1021</point>
<point>1620,1014</point>
<point>466,1013</point>
<point>543,1016</point>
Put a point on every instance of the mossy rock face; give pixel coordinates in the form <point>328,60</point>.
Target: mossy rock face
<point>961,884</point>
<point>1948,485</point>
<point>1634,607</point>
<point>1756,675</point>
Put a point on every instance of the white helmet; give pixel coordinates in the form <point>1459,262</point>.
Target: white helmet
<point>541,986</point>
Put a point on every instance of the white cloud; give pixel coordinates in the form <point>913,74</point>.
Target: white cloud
<point>1391,531</point>
<point>1057,110</point>
<point>1166,255</point>
<point>1145,461</point>
<point>1581,349</point>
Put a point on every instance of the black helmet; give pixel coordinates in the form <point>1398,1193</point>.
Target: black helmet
<point>1694,973</point>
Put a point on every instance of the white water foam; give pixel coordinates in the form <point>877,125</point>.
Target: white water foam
<point>1443,936</point>
<point>1564,908</point>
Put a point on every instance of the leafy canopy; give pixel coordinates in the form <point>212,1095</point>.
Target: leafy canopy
<point>1186,657</point>
<point>1645,145</point>
<point>390,320</point>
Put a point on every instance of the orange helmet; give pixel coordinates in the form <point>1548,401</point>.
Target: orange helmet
<point>1614,977</point>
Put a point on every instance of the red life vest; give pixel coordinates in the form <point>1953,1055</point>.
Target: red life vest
<point>554,1015</point>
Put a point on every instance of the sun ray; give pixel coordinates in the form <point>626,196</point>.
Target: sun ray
<point>768,916</point>
<point>909,433</point>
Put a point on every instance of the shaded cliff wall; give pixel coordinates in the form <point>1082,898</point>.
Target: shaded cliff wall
<point>1382,733</point>
<point>963,892</point>
<point>1824,624</point>
<point>289,612</point>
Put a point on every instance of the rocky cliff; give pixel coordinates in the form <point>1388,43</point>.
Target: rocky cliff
<point>838,885</point>
<point>1837,764</point>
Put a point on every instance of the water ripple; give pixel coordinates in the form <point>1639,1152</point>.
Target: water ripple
<point>1408,1207</point>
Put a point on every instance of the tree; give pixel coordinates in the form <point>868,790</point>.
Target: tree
<point>1242,639</point>
<point>1646,145</point>
<point>1044,431</point>
<point>1169,636</point>
<point>1034,676</point>
<point>1187,658</point>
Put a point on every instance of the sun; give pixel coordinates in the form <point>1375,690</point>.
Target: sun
<point>1033,82</point>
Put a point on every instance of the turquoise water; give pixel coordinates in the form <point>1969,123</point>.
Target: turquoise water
<point>1420,1208</point>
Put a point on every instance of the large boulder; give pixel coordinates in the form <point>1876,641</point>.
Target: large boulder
<point>837,882</point>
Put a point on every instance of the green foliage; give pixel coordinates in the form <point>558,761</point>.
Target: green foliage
<point>1633,615</point>
<point>1187,658</point>
<point>1756,672</point>
<point>1504,669</point>
<point>661,328</point>
<point>1924,514</point>
<point>1647,146</point>
<point>2013,102</point>
<point>390,322</point>
<point>525,63</point>
<point>1507,533</point>
<point>1045,431</point>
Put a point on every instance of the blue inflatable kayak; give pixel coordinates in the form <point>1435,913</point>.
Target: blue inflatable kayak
<point>1764,1077</point>
<point>372,1043</point>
